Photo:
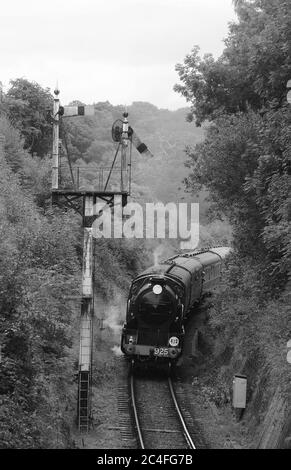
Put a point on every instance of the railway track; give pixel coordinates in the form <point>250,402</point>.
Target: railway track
<point>158,419</point>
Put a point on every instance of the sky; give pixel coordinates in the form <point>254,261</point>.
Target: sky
<point>108,50</point>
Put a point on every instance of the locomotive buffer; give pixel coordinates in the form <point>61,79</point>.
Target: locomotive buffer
<point>70,190</point>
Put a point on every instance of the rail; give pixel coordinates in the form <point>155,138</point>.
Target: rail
<point>140,431</point>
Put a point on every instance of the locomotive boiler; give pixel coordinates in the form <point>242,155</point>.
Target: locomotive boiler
<point>161,299</point>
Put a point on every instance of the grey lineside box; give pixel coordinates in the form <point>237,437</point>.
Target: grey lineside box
<point>239,395</point>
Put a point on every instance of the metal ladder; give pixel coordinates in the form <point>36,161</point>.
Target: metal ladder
<point>83,402</point>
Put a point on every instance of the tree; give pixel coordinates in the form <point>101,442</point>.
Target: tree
<point>245,159</point>
<point>27,104</point>
<point>253,69</point>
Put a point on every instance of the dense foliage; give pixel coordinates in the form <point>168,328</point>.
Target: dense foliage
<point>252,71</point>
<point>245,159</point>
<point>39,269</point>
<point>26,105</point>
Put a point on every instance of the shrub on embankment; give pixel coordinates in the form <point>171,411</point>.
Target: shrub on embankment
<point>39,269</point>
<point>247,333</point>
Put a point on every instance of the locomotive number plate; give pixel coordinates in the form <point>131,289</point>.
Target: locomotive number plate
<point>161,352</point>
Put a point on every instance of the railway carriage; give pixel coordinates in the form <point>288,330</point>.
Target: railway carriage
<point>160,300</point>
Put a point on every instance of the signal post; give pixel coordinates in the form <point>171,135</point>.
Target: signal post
<point>71,198</point>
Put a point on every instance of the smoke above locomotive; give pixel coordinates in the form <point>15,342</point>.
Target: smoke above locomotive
<point>162,297</point>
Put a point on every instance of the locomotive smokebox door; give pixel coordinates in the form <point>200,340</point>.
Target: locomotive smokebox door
<point>239,396</point>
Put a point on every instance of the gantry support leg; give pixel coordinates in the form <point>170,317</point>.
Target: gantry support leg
<point>86,324</point>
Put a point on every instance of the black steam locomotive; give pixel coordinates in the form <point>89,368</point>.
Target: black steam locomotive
<point>161,298</point>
